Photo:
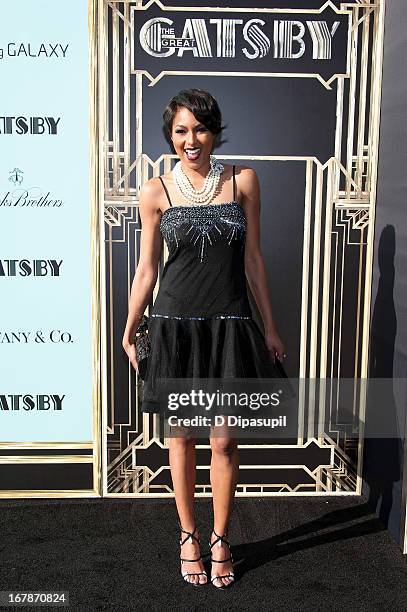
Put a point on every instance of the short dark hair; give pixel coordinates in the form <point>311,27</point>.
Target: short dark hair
<point>202,105</point>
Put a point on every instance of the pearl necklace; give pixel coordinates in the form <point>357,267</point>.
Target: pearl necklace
<point>187,190</point>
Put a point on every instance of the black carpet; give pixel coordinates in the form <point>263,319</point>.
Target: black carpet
<point>290,554</point>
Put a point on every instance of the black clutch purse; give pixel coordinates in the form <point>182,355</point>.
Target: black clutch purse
<point>143,347</point>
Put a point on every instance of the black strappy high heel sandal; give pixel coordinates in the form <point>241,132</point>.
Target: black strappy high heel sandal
<point>219,540</point>
<point>185,575</point>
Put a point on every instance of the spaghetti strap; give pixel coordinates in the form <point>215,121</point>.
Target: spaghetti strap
<point>234,184</point>
<point>166,190</point>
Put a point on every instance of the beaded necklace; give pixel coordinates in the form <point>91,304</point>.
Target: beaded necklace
<point>197,197</point>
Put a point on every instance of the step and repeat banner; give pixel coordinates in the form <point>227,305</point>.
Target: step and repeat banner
<point>47,412</point>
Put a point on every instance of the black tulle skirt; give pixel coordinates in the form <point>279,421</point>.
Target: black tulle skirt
<point>213,348</point>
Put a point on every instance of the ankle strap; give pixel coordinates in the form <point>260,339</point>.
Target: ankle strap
<point>219,539</point>
<point>190,535</point>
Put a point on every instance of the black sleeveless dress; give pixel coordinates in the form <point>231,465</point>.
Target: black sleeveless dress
<point>201,322</point>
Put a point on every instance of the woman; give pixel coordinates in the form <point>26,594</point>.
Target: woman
<point>201,324</point>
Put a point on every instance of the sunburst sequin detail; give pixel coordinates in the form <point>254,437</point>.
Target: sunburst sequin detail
<point>206,224</point>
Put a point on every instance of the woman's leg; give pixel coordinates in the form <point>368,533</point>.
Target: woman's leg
<point>183,463</point>
<point>224,476</point>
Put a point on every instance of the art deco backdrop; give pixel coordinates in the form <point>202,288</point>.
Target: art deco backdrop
<point>300,92</point>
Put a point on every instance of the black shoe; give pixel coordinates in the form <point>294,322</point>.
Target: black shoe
<point>214,577</point>
<point>185,575</point>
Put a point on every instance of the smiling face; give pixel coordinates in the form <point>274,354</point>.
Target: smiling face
<point>193,142</point>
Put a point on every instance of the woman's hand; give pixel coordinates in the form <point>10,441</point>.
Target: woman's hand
<point>274,345</point>
<point>130,349</point>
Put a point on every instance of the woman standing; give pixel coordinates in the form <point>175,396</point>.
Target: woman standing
<point>201,323</point>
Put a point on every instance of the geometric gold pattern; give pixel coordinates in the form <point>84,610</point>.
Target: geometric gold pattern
<point>338,229</point>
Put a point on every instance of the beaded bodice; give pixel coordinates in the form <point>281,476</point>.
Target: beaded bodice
<point>204,275</point>
<point>203,226</point>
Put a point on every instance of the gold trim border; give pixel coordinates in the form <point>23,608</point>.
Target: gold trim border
<point>12,445</point>
<point>52,493</point>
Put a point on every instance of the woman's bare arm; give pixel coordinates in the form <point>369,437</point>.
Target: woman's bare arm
<point>256,272</point>
<point>145,277</point>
